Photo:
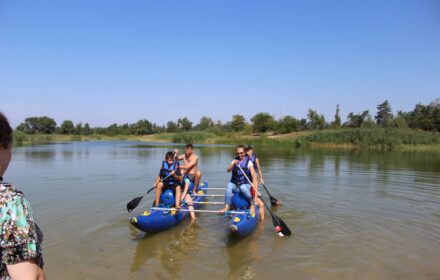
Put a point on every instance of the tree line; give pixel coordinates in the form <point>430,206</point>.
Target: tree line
<point>424,117</point>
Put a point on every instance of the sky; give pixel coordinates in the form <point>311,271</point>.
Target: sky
<point>104,62</point>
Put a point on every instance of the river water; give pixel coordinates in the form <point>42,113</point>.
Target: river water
<point>354,214</point>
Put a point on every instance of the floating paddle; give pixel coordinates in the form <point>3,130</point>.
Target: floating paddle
<point>280,227</point>
<point>135,201</point>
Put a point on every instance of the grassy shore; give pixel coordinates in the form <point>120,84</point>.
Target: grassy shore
<point>377,138</point>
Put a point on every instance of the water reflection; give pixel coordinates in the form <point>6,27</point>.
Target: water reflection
<point>243,254</point>
<point>172,248</point>
<point>42,155</point>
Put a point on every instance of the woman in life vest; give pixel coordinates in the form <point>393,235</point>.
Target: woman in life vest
<point>239,182</point>
<point>256,162</point>
<point>20,237</point>
<point>169,178</point>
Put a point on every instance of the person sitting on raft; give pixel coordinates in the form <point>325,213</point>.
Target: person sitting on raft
<point>256,162</point>
<point>192,174</point>
<point>238,181</point>
<point>190,165</point>
<point>171,179</point>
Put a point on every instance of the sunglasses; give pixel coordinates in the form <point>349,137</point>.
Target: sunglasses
<point>242,153</point>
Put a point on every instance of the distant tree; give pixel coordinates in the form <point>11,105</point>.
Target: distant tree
<point>303,124</point>
<point>368,122</point>
<point>87,130</point>
<point>67,127</point>
<point>205,123</point>
<point>356,120</point>
<point>238,123</point>
<point>263,122</point>
<point>113,130</point>
<point>79,129</point>
<point>316,121</point>
<point>33,125</point>
<point>337,122</point>
<point>172,127</point>
<point>184,124</point>
<point>384,115</point>
<point>287,124</point>
<point>400,120</point>
<point>426,117</point>
<point>142,127</point>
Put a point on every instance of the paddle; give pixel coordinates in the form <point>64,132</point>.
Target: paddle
<point>280,227</point>
<point>273,200</point>
<point>135,201</point>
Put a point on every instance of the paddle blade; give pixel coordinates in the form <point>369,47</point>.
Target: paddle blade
<point>274,201</point>
<point>134,203</point>
<point>280,226</point>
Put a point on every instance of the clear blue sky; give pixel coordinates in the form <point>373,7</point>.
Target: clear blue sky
<point>105,62</point>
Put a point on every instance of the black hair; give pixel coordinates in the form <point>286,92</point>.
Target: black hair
<point>169,155</point>
<point>189,146</point>
<point>5,132</point>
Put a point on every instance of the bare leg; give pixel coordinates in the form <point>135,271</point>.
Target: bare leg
<point>178,196</point>
<point>261,208</point>
<point>190,206</point>
<point>158,193</point>
<point>226,209</point>
<point>197,178</point>
<point>252,207</point>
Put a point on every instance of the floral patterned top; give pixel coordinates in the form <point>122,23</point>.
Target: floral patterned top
<point>20,237</point>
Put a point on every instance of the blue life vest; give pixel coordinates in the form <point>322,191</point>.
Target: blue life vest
<point>253,159</point>
<point>166,170</point>
<point>238,177</point>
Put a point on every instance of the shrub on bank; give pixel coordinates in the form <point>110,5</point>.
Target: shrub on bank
<point>378,137</point>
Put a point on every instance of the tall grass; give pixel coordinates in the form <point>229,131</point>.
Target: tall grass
<point>373,137</point>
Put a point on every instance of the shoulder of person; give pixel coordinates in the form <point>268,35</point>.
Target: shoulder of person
<point>250,164</point>
<point>9,192</point>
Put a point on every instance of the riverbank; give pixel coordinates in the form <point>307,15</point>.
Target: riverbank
<point>375,138</point>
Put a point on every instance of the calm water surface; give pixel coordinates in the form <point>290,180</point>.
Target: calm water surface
<point>355,215</point>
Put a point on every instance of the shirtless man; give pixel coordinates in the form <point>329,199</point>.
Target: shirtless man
<point>190,165</point>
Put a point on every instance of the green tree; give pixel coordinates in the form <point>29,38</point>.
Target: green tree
<point>356,120</point>
<point>87,130</point>
<point>184,124</point>
<point>337,122</point>
<point>384,115</point>
<point>400,120</point>
<point>33,125</point>
<point>172,127</point>
<point>141,127</point>
<point>238,123</point>
<point>205,123</point>
<point>287,124</point>
<point>316,121</point>
<point>79,129</point>
<point>67,127</point>
<point>263,122</point>
<point>426,117</point>
<point>114,129</point>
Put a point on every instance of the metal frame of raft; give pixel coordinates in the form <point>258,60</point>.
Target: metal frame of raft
<point>241,222</point>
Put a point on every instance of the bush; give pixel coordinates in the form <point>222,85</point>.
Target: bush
<point>19,137</point>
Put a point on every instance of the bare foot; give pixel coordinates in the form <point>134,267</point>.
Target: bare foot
<point>252,208</point>
<point>224,210</point>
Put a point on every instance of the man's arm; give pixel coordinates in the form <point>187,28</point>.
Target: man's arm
<point>233,163</point>
<point>177,156</point>
<point>25,270</point>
